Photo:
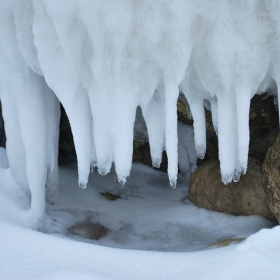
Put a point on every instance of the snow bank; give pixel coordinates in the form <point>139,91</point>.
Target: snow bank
<point>34,255</point>
<point>103,59</point>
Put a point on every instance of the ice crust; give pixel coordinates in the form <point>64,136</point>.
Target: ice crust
<point>102,59</point>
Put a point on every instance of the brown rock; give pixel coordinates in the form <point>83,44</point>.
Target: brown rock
<point>141,153</point>
<point>271,170</point>
<point>246,197</point>
<point>183,112</point>
<point>88,229</point>
<point>260,146</point>
<point>263,116</point>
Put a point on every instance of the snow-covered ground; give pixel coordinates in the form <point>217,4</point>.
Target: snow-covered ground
<point>152,232</point>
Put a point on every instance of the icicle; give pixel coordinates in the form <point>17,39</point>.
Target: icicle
<point>14,145</point>
<point>124,108</point>
<point>171,139</point>
<point>52,118</point>
<point>154,117</point>
<point>195,94</point>
<point>227,134</point>
<point>56,52</point>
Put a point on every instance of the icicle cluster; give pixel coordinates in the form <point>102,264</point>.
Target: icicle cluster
<point>103,58</point>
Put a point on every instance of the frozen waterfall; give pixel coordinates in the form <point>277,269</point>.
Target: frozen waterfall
<point>103,58</point>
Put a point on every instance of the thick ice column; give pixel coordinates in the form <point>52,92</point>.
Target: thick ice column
<point>26,88</point>
<point>31,108</point>
<point>14,145</point>
<point>227,132</point>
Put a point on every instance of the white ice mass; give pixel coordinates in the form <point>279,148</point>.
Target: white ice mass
<point>103,58</point>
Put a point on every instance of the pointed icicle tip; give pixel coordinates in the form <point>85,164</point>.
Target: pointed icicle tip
<point>156,163</point>
<point>200,151</point>
<point>82,185</point>
<point>236,176</point>
<point>122,181</point>
<point>243,170</point>
<point>227,179</point>
<point>173,183</point>
<point>103,171</point>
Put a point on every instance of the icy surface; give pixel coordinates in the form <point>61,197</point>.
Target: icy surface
<point>103,59</point>
<point>149,216</point>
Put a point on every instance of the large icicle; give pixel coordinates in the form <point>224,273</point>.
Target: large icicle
<point>60,61</point>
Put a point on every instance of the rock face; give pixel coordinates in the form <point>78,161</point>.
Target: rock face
<point>246,197</point>
<point>271,170</point>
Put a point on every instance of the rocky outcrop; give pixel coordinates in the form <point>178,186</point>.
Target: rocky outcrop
<point>271,170</point>
<point>246,197</point>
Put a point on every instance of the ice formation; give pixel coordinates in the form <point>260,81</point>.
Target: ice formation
<point>103,58</point>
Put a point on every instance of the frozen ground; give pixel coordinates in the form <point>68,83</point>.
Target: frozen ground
<point>150,215</point>
<point>159,235</point>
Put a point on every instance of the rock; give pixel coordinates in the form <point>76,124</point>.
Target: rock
<point>271,171</point>
<point>88,229</point>
<point>183,111</point>
<point>67,152</point>
<point>225,242</point>
<point>260,146</point>
<point>263,116</point>
<point>141,153</point>
<point>185,117</point>
<point>246,197</point>
<point>2,130</point>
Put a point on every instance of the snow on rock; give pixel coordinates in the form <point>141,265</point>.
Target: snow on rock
<point>103,59</point>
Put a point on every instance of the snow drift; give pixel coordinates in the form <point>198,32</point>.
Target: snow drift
<point>102,59</point>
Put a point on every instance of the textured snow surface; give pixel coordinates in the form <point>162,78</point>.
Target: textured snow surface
<point>102,59</point>
<point>148,217</point>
